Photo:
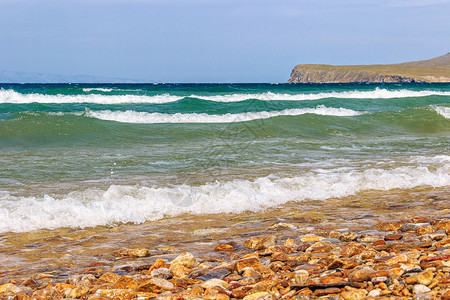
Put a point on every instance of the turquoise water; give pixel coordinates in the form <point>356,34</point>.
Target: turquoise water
<point>86,155</point>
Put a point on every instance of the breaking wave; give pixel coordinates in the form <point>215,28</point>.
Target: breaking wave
<point>130,116</point>
<point>137,204</point>
<point>11,96</point>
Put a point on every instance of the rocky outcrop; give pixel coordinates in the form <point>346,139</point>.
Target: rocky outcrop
<point>302,74</point>
<point>432,70</point>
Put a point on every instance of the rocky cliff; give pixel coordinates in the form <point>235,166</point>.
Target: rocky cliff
<point>431,70</point>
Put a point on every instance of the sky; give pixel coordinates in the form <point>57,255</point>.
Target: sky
<point>215,40</point>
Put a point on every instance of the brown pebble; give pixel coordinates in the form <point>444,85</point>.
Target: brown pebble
<point>159,263</point>
<point>393,237</point>
<point>382,273</point>
<point>348,236</point>
<point>125,282</point>
<point>47,294</point>
<point>383,286</point>
<point>387,226</point>
<point>379,243</point>
<point>224,247</point>
<point>439,257</point>
<point>28,282</point>
<point>258,243</point>
<point>352,249</point>
<point>443,224</point>
<point>319,247</point>
<point>240,292</point>
<point>337,263</point>
<point>327,291</point>
<point>360,275</point>
<point>110,277</point>
<point>420,220</point>
<point>424,230</point>
<point>138,252</point>
<point>248,262</point>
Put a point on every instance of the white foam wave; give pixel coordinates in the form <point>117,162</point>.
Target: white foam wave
<point>377,93</point>
<point>443,111</point>
<point>87,90</point>
<point>11,96</point>
<point>121,204</point>
<point>130,116</point>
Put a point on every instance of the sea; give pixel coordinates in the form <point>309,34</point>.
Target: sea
<point>88,155</point>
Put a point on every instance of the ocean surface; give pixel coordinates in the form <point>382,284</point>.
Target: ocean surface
<point>79,155</point>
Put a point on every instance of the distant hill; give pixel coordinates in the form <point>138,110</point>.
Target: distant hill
<point>431,70</point>
<point>29,77</point>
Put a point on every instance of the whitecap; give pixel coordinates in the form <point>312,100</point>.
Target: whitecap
<point>131,116</point>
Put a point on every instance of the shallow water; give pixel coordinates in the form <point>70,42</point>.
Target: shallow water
<point>61,252</point>
<point>89,155</point>
<point>86,170</point>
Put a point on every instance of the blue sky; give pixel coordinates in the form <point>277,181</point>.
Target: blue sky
<point>215,40</point>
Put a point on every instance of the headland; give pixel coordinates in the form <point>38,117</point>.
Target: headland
<point>431,70</point>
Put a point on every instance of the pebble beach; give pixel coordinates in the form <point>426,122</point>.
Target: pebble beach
<point>370,246</point>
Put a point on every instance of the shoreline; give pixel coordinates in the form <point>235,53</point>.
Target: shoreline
<point>49,257</point>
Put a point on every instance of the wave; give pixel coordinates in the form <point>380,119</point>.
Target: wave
<point>87,90</point>
<point>11,96</point>
<point>130,116</point>
<point>377,93</point>
<point>443,111</point>
<point>137,204</point>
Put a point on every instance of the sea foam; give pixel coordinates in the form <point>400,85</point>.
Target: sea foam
<point>105,90</point>
<point>11,96</point>
<point>137,204</point>
<point>442,110</point>
<point>130,116</point>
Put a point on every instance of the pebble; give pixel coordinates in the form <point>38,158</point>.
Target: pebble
<point>161,273</point>
<point>397,259</point>
<point>374,293</point>
<point>138,252</point>
<point>360,275</point>
<point>340,266</point>
<point>354,294</point>
<point>224,247</point>
<point>368,239</point>
<point>245,263</point>
<point>352,249</point>
<point>376,280</point>
<point>258,243</point>
<point>186,260</point>
<point>393,237</point>
<point>301,277</point>
<point>408,227</point>
<point>281,226</point>
<point>212,283</point>
<point>348,236</point>
<point>424,230</point>
<point>311,238</point>
<point>420,289</point>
